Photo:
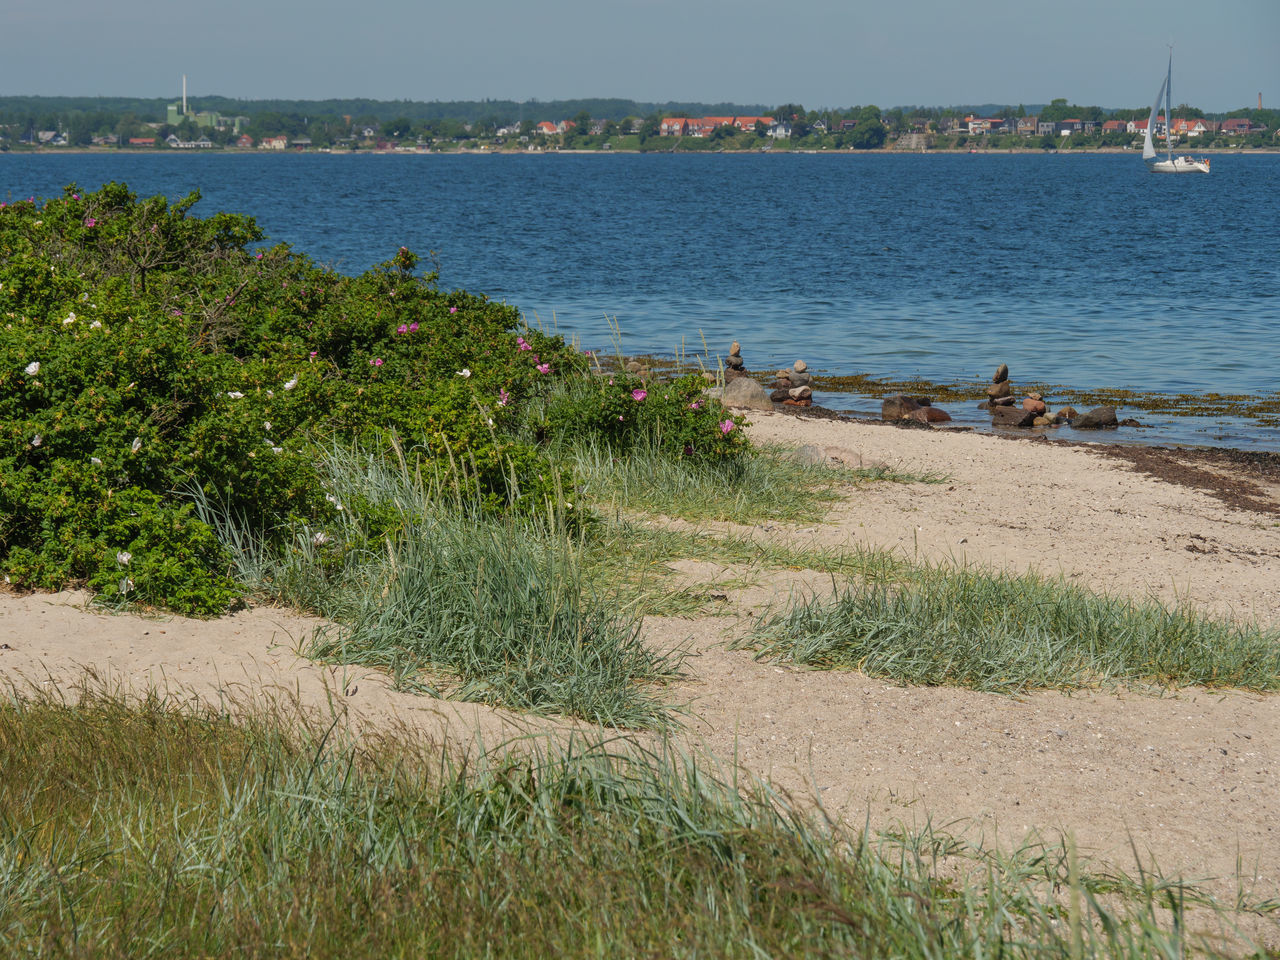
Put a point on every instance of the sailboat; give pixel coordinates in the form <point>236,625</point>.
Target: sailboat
<point>1170,164</point>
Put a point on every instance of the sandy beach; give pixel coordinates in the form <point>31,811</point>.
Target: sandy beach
<point>1187,779</point>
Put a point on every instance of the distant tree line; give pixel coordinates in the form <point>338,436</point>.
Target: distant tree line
<point>327,122</point>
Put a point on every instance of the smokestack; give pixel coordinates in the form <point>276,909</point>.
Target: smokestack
<point>1259,99</point>
<point>184,94</point>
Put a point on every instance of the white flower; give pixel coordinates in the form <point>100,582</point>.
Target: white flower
<point>235,394</point>
<point>464,373</point>
<point>277,449</point>
<point>126,585</point>
<point>85,295</point>
<point>71,318</point>
<point>266,424</point>
<point>136,445</point>
<point>490,421</point>
<point>334,500</point>
<point>32,368</point>
<point>270,394</point>
<point>95,461</point>
<point>320,539</point>
<point>96,325</point>
<point>291,384</point>
<point>123,558</point>
<point>37,440</point>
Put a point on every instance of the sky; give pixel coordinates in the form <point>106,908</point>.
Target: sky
<point>819,53</point>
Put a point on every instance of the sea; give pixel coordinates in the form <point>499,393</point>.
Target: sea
<point>1081,271</point>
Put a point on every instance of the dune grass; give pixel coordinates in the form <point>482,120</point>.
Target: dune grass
<point>768,483</point>
<point>145,830</point>
<point>993,631</point>
<point>490,609</point>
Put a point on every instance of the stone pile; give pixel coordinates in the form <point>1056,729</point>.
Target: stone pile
<point>1000,393</point>
<point>734,367</point>
<point>1034,411</point>
<point>793,387</point>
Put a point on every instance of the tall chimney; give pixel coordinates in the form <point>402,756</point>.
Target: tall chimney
<point>184,94</point>
<point>1259,99</point>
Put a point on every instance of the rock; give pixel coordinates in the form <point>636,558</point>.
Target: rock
<point>1043,422</point>
<point>799,366</point>
<point>930,415</point>
<point>1002,373</point>
<point>736,363</point>
<point>1096,419</point>
<point>1067,413</point>
<point>1129,422</point>
<point>1000,389</point>
<point>1035,405</point>
<point>1035,396</point>
<point>897,407</point>
<point>736,349</point>
<point>633,366</point>
<point>745,392</point>
<point>800,393</point>
<point>806,402</point>
<point>780,394</point>
<point>1001,402</point>
<point>812,455</point>
<point>1011,417</point>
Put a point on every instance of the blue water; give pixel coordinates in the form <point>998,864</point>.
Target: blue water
<point>1085,271</point>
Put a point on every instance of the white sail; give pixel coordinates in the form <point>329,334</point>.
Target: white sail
<point>1148,146</point>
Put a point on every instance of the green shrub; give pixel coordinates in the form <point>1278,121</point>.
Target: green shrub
<point>623,411</point>
<point>149,354</point>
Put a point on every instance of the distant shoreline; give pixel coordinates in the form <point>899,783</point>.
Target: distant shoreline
<point>960,151</point>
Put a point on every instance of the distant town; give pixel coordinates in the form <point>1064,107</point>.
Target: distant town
<point>39,124</point>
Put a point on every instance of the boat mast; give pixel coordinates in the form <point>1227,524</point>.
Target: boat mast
<point>1168,107</point>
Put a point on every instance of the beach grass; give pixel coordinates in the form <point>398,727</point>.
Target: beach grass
<point>769,482</point>
<point>494,609</point>
<point>145,829</point>
<point>1001,632</point>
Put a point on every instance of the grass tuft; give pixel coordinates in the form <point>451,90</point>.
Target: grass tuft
<point>764,483</point>
<point>998,632</point>
<point>489,609</point>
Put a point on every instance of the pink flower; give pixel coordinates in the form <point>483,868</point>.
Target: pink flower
<point>258,256</point>
<point>312,356</point>
<point>403,328</point>
<point>90,222</point>
<point>520,342</point>
<point>75,196</point>
<point>413,327</point>
<point>503,397</point>
<point>453,309</point>
<point>543,368</point>
<point>637,395</point>
<point>376,363</point>
<point>619,416</point>
<point>727,426</point>
<point>696,405</point>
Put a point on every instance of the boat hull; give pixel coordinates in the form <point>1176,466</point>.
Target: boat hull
<point>1178,165</point>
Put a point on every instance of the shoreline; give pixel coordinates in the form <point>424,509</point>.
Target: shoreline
<point>881,152</point>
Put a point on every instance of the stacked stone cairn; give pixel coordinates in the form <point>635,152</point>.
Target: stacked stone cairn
<point>735,367</point>
<point>1033,411</point>
<point>793,387</point>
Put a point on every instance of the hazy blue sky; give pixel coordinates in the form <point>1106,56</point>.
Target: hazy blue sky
<point>817,52</point>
